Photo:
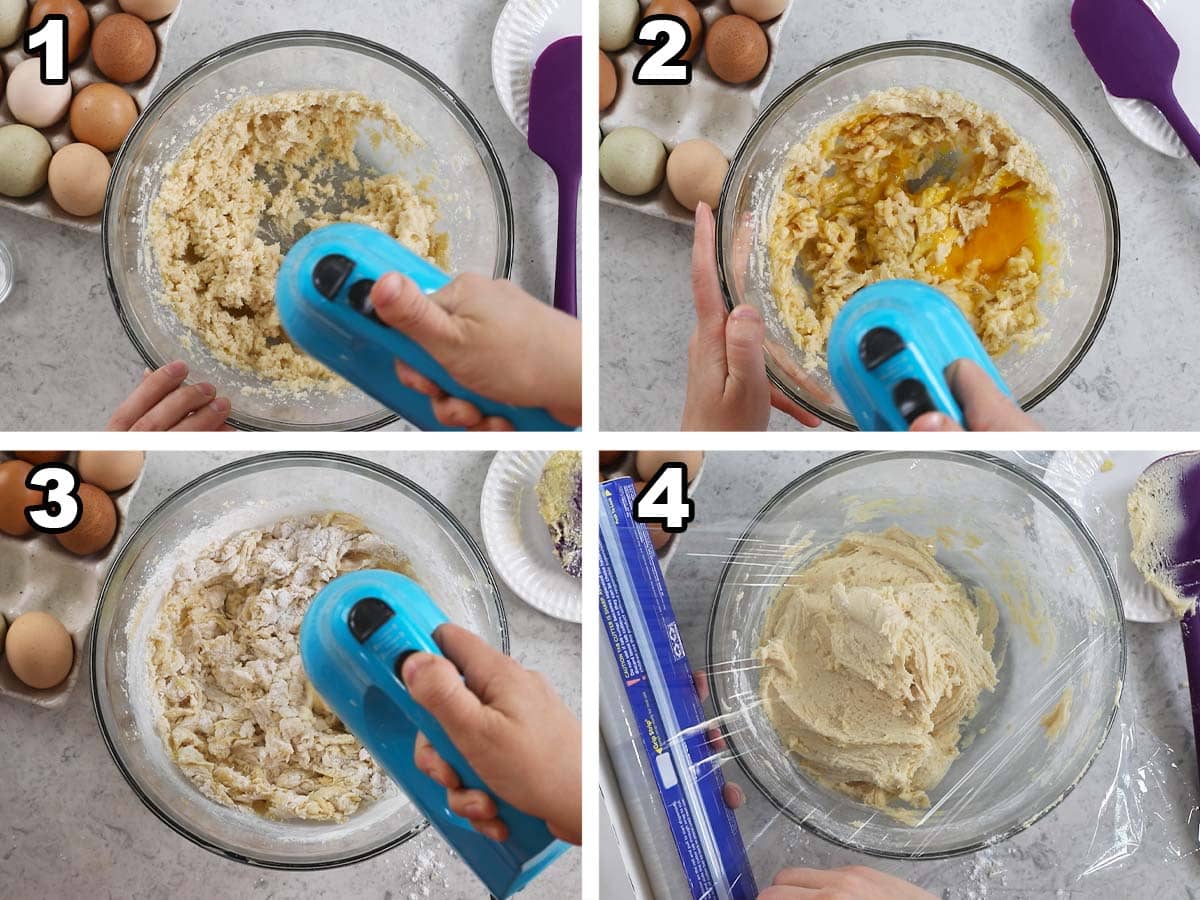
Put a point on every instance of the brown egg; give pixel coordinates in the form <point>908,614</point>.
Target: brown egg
<point>737,49</point>
<point>111,470</point>
<point>608,81</point>
<point>650,461</point>
<point>680,9</point>
<point>101,115</point>
<point>149,10</point>
<point>96,526</point>
<point>695,172</point>
<point>78,177</point>
<point>123,48</point>
<point>608,457</point>
<point>15,497</point>
<point>79,25</point>
<point>39,650</point>
<point>37,457</point>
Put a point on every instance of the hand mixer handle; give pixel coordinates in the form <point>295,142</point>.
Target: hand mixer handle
<point>354,639</point>
<point>323,298</point>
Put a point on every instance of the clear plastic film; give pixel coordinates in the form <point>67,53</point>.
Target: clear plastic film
<point>1077,772</point>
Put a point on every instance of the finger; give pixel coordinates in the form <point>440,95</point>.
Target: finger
<point>790,407</point>
<point>700,677</point>
<point>481,664</point>
<point>170,411</point>
<point>208,418</point>
<point>494,829</point>
<point>814,879</point>
<point>152,389</point>
<point>429,761</point>
<point>454,412</point>
<point>733,796</point>
<point>400,303</point>
<point>494,423</point>
<point>472,804</point>
<point>934,421</point>
<point>985,406</point>
<point>744,334</point>
<point>435,684</point>
<point>414,380</point>
<point>786,892</point>
<point>706,286</point>
<point>716,740</point>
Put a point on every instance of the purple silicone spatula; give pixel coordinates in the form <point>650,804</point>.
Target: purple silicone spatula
<point>1167,549</point>
<point>555,134</point>
<point>1134,56</point>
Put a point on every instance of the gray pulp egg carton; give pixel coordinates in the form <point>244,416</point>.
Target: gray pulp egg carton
<point>707,108</point>
<point>38,574</point>
<point>627,465</point>
<point>82,73</point>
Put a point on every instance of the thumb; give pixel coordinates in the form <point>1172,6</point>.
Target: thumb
<point>400,304</point>
<point>435,683</point>
<point>934,421</point>
<point>744,335</point>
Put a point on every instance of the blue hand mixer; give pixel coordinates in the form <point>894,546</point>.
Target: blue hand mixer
<point>888,352</point>
<point>323,296</point>
<point>357,633</point>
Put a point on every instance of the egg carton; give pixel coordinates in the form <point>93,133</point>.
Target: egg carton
<point>707,108</point>
<point>38,574</point>
<point>82,73</point>
<point>626,465</point>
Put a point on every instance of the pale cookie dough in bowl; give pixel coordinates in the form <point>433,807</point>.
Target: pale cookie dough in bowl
<point>195,674</point>
<point>248,151</point>
<point>926,663</point>
<point>927,161</point>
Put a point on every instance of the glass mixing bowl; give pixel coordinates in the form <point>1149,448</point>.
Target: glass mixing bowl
<point>1087,228</point>
<point>249,493</point>
<point>1060,627</point>
<point>457,161</point>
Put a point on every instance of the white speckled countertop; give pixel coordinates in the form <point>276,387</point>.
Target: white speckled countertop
<point>71,828</point>
<point>1048,859</point>
<point>1139,374</point>
<point>69,363</point>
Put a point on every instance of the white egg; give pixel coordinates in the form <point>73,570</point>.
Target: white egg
<point>33,102</point>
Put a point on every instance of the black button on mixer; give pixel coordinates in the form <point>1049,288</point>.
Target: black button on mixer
<point>330,273</point>
<point>360,297</point>
<point>367,616</point>
<point>912,400</point>
<point>399,667</point>
<point>878,346</point>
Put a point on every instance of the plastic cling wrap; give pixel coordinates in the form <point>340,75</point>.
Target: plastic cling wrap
<point>1076,775</point>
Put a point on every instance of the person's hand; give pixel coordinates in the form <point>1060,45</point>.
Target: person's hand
<point>508,723</point>
<point>727,387</point>
<point>163,402</point>
<point>984,406</point>
<point>732,793</point>
<point>495,340</point>
<point>846,883</point>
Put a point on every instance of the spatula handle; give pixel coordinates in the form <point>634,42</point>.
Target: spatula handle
<point>1190,626</point>
<point>1178,119</point>
<point>565,296</point>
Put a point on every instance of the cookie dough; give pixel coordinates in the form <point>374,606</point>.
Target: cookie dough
<point>236,712</point>
<point>918,184</point>
<point>873,659</point>
<point>560,503</point>
<point>1156,522</point>
<point>260,175</point>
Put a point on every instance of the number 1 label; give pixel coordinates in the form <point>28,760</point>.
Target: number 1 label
<point>49,41</point>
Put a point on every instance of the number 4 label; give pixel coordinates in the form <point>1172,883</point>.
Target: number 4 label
<point>664,500</point>
<point>60,509</point>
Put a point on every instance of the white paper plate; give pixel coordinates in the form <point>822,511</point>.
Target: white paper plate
<point>1099,497</point>
<point>518,541</point>
<point>1181,18</point>
<point>526,28</point>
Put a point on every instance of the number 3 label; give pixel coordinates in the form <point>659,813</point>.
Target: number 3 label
<point>664,500</point>
<point>670,36</point>
<point>59,510</point>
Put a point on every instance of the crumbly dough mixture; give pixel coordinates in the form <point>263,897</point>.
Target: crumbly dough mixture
<point>1156,523</point>
<point>560,503</point>
<point>874,658</point>
<point>260,175</point>
<point>237,713</point>
<point>918,184</point>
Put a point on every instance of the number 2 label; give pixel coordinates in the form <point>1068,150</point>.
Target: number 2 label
<point>664,500</point>
<point>670,36</point>
<point>60,508</point>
